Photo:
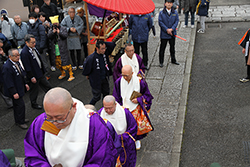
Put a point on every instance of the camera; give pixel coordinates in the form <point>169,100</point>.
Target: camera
<point>5,18</point>
<point>55,27</point>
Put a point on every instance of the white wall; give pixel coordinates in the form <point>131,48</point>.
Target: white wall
<point>15,7</point>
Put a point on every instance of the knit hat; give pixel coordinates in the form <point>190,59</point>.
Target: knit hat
<point>54,19</point>
<point>3,12</point>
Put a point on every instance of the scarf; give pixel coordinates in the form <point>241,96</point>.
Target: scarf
<point>69,147</point>
<point>127,90</point>
<point>117,119</point>
<point>132,62</point>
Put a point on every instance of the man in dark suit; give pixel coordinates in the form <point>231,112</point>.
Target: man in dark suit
<point>35,69</point>
<point>15,85</point>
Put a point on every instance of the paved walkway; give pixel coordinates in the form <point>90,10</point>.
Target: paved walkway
<point>169,86</point>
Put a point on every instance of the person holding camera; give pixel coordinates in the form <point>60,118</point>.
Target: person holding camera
<point>47,25</point>
<point>58,36</point>
<point>5,25</point>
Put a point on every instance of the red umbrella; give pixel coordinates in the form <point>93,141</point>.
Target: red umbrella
<point>135,7</point>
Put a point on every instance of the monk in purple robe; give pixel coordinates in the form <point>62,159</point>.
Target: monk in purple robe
<point>117,142</point>
<point>4,162</point>
<point>67,135</point>
<point>124,125</point>
<point>124,87</point>
<point>129,58</point>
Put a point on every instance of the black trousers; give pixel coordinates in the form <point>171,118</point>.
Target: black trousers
<point>45,62</point>
<point>85,49</point>
<point>97,92</point>
<point>163,47</point>
<point>52,58</point>
<point>72,55</point>
<point>144,49</point>
<point>13,44</point>
<point>34,88</point>
<point>248,68</point>
<point>19,110</point>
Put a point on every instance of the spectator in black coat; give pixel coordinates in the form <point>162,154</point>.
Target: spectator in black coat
<point>15,85</point>
<point>97,69</point>
<point>37,29</point>
<point>3,58</point>
<point>35,69</point>
<point>47,25</point>
<point>50,9</point>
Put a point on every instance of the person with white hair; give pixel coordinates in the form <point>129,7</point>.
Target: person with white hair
<point>74,25</point>
<point>124,125</point>
<point>15,86</point>
<point>19,30</point>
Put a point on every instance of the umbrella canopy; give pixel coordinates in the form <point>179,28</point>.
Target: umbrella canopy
<point>135,7</point>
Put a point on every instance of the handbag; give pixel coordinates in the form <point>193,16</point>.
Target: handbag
<point>57,52</point>
<point>143,123</point>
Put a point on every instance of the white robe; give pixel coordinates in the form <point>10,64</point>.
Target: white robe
<point>127,90</point>
<point>69,147</point>
<point>117,119</point>
<point>132,62</point>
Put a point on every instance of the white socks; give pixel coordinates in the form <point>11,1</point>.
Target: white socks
<point>138,144</point>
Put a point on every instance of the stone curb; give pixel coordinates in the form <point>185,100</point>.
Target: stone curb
<point>178,134</point>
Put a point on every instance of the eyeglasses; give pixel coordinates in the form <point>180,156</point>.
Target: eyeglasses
<point>130,51</point>
<point>32,42</point>
<point>60,121</point>
<point>16,55</point>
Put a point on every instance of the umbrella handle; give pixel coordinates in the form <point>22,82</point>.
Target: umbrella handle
<point>180,38</point>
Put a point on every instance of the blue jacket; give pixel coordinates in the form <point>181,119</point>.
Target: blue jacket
<point>201,8</point>
<point>14,82</point>
<point>38,30</point>
<point>168,21</point>
<point>30,64</point>
<point>5,40</point>
<point>140,26</point>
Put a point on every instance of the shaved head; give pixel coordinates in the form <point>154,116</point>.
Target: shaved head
<point>59,105</point>
<point>127,72</point>
<point>58,96</point>
<point>127,68</point>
